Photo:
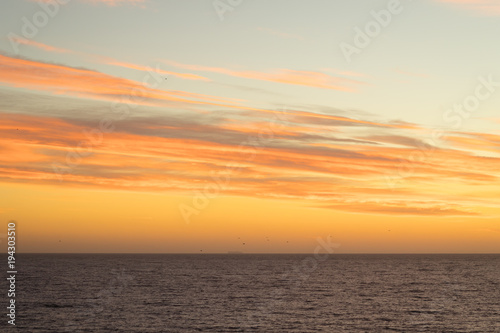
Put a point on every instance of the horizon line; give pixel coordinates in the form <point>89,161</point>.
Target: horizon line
<point>272,253</point>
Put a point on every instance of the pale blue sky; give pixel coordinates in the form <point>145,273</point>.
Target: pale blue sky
<point>445,44</point>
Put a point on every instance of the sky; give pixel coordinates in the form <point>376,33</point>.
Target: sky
<point>263,127</point>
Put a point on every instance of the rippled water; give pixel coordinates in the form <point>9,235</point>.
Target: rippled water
<point>258,293</point>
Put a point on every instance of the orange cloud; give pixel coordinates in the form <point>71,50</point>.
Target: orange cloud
<point>187,76</point>
<point>476,142</point>
<point>81,82</point>
<point>286,76</point>
<point>404,209</point>
<point>186,155</point>
<point>42,46</point>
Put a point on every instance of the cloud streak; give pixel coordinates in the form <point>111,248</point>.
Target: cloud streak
<point>81,82</point>
<point>284,76</point>
<point>320,156</point>
<point>187,76</point>
<point>38,45</point>
<point>300,162</point>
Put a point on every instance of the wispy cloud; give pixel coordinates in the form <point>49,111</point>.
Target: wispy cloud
<point>109,61</point>
<point>403,209</point>
<point>41,46</point>
<point>88,83</point>
<point>327,165</point>
<point>187,76</point>
<point>326,157</point>
<point>286,76</point>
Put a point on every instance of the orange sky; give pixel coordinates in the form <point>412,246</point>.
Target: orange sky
<point>108,151</point>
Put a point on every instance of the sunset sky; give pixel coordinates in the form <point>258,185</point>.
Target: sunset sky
<point>181,126</point>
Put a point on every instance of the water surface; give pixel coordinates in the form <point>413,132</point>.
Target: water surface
<point>257,293</point>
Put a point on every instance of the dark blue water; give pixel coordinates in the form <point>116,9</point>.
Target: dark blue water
<point>257,293</point>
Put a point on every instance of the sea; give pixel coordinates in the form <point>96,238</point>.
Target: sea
<point>256,293</point>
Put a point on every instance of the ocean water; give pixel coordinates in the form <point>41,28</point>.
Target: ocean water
<point>256,293</point>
